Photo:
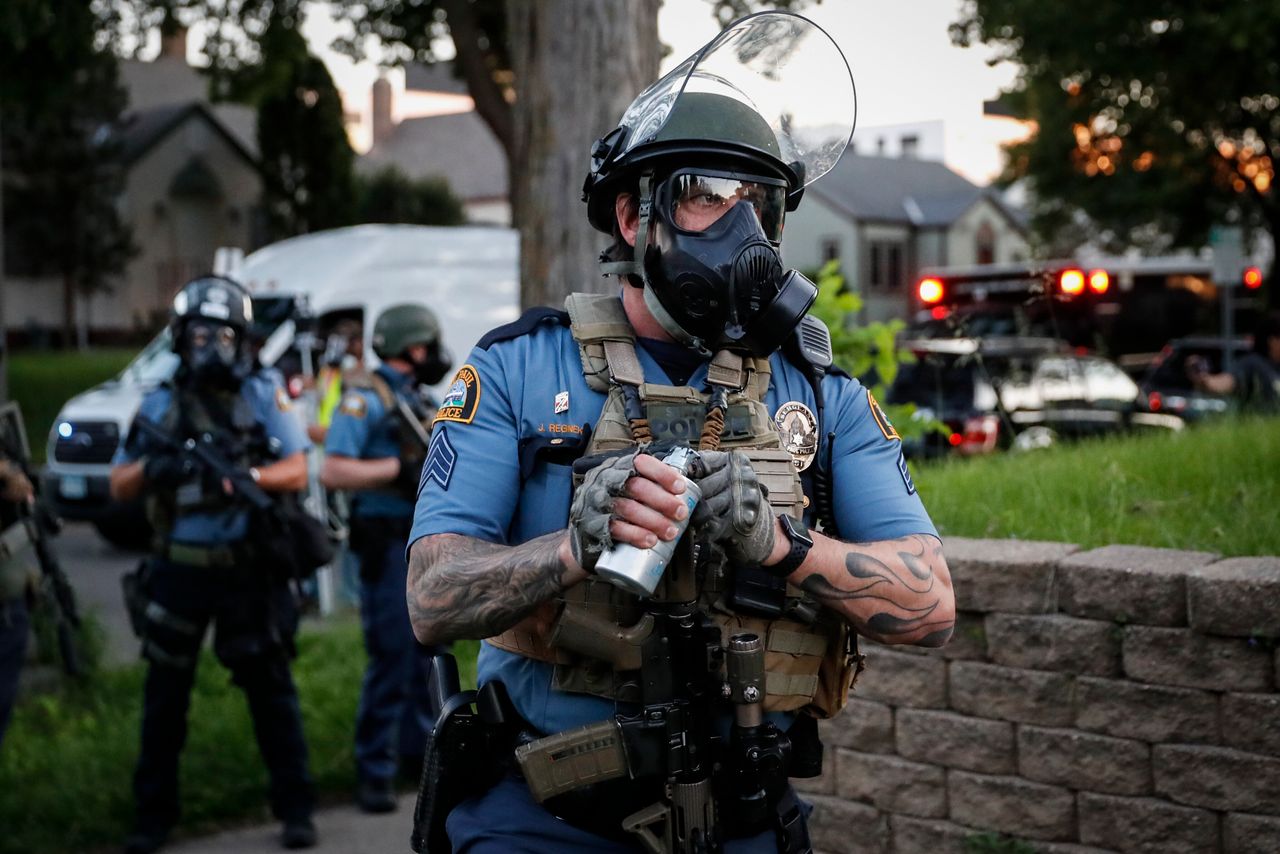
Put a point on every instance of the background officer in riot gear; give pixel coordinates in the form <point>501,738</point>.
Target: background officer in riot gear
<point>204,568</point>
<point>694,185</point>
<point>17,582</point>
<point>375,451</point>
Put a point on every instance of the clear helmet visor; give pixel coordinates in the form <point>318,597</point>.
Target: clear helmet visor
<point>781,66</point>
<point>697,200</point>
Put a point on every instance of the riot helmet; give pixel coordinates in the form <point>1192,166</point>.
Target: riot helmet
<point>208,322</point>
<point>716,153</point>
<point>402,326</point>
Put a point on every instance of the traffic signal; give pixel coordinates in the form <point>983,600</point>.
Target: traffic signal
<point>1252,278</point>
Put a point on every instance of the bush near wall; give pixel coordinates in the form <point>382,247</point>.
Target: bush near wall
<point>1119,699</point>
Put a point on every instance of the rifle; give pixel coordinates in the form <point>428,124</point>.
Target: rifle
<point>291,542</point>
<point>41,525</point>
<point>404,413</point>
<point>204,452</point>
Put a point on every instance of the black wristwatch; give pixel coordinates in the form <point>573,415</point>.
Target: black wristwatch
<point>798,533</point>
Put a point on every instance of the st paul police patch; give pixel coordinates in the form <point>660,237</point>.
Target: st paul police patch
<point>353,404</point>
<point>462,399</point>
<point>882,420</point>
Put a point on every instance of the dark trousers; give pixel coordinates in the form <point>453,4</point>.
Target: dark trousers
<point>15,625</point>
<point>253,637</point>
<point>395,704</point>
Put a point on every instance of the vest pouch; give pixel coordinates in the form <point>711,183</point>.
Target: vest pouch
<point>838,673</point>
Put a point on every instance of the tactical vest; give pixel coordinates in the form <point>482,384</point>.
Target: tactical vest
<point>411,453</point>
<point>593,634</point>
<point>240,438</point>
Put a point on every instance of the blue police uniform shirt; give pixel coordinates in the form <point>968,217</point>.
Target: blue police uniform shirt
<point>499,469</point>
<point>271,407</point>
<point>362,429</point>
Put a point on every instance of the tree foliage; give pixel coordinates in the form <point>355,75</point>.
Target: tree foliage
<point>307,161</point>
<point>1154,121</point>
<point>59,95</point>
<point>389,195</point>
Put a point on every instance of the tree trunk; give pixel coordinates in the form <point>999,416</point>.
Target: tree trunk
<point>68,309</point>
<point>578,64</point>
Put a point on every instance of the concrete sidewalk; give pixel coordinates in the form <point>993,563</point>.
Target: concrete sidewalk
<point>343,828</point>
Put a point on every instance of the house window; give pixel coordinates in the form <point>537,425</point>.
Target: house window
<point>830,249</point>
<point>886,266</point>
<point>985,244</point>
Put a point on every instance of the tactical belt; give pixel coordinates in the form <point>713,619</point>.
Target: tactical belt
<point>205,557</point>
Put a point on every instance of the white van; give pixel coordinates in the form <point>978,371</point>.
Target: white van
<point>467,275</point>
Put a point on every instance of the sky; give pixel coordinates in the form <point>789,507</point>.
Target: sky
<point>905,69</point>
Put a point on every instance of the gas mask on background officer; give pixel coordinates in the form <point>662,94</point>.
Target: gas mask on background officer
<point>208,324</point>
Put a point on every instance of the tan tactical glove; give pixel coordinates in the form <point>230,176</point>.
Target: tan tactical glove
<point>733,511</point>
<point>592,508</point>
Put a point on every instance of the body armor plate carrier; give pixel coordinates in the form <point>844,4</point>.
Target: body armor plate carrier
<point>593,634</point>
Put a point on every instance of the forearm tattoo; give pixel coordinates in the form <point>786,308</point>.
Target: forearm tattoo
<point>461,587</point>
<point>891,591</point>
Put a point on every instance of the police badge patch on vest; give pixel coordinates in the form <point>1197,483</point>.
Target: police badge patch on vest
<point>799,430</point>
<point>462,399</point>
<point>353,404</point>
<point>882,420</point>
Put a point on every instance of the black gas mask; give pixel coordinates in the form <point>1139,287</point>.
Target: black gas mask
<point>433,368</point>
<point>712,264</point>
<point>211,353</point>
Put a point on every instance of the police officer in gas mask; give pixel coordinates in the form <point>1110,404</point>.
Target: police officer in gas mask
<point>642,702</point>
<point>375,448</point>
<point>205,567</point>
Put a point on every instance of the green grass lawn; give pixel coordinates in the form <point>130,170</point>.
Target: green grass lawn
<point>1214,488</point>
<point>41,381</point>
<point>66,763</point>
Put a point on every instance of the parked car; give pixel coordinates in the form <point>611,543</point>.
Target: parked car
<point>1166,387</point>
<point>1016,392</point>
<point>467,275</point>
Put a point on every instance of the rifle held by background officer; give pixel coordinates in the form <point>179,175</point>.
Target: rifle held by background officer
<point>36,525</point>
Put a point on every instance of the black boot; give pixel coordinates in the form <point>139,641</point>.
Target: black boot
<point>376,796</point>
<point>146,841</point>
<point>298,833</point>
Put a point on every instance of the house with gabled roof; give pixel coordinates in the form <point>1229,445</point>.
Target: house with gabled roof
<point>885,218</point>
<point>192,184</point>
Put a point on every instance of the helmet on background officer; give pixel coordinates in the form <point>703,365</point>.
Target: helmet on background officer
<point>208,322</point>
<point>401,328</point>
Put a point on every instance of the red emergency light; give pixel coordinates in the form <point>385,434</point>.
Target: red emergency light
<point>1252,278</point>
<point>1071,282</point>
<point>1099,281</point>
<point>930,291</point>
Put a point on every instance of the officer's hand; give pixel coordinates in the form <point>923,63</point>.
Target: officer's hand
<point>14,485</point>
<point>167,470</point>
<point>633,498</point>
<point>733,511</point>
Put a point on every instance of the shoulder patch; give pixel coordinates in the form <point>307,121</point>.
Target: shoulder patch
<point>524,325</point>
<point>462,399</point>
<point>353,404</point>
<point>882,420</point>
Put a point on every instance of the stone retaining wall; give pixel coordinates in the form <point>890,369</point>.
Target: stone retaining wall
<point>1120,699</point>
